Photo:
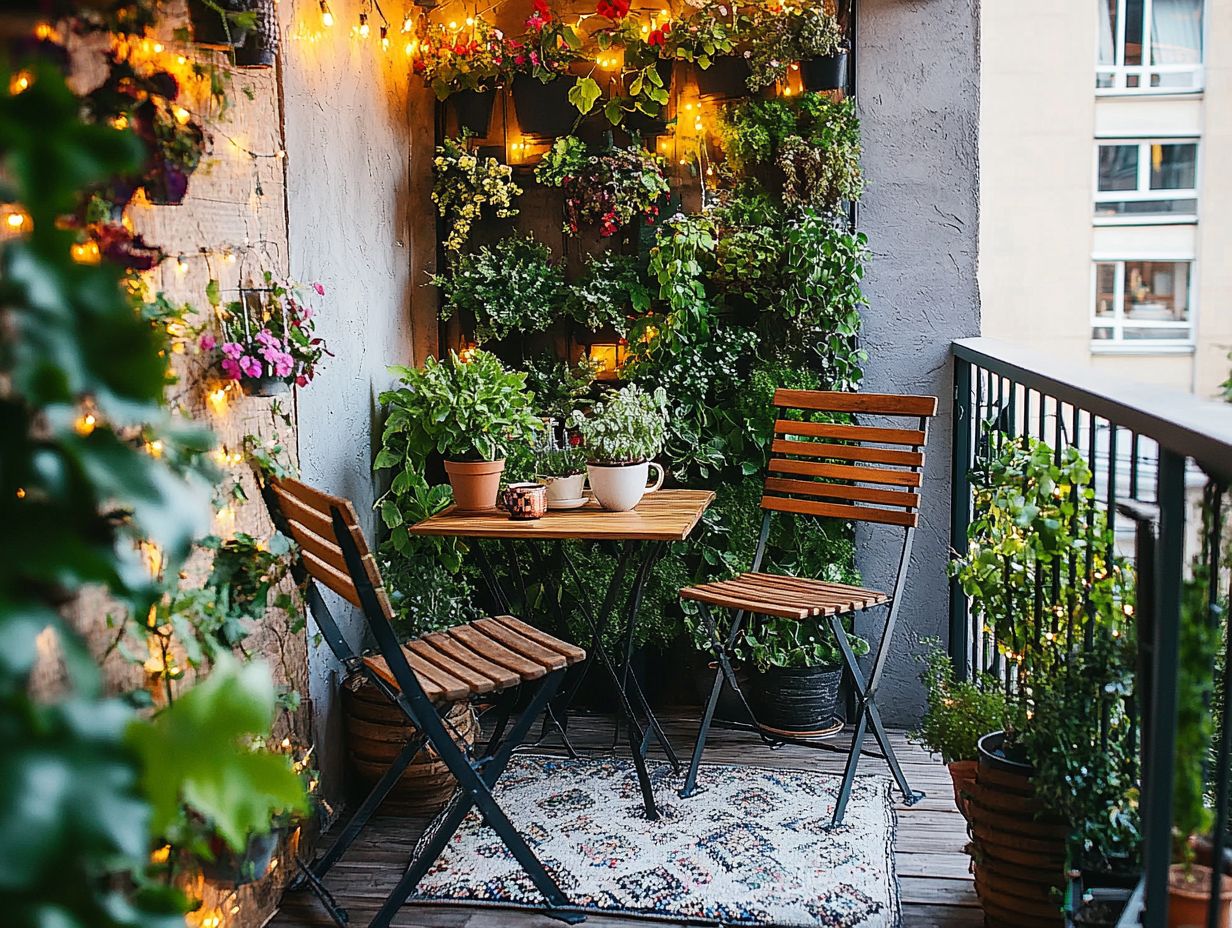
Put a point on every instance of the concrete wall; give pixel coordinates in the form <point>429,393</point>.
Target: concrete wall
<point>918,89</point>
<point>347,139</point>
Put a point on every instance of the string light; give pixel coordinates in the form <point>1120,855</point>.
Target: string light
<point>43,32</point>
<point>16,220</point>
<point>407,25</point>
<point>363,29</point>
<point>384,38</point>
<point>20,82</point>
<point>181,265</point>
<point>154,448</point>
<point>327,16</point>
<point>85,252</point>
<point>85,424</point>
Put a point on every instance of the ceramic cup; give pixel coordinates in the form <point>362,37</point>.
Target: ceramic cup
<point>525,500</point>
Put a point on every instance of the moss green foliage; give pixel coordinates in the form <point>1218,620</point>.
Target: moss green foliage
<point>958,713</point>
<point>559,386</point>
<point>88,784</point>
<point>610,294</point>
<point>512,287</point>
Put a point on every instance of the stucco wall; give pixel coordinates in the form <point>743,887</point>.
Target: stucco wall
<point>347,139</point>
<point>918,90</point>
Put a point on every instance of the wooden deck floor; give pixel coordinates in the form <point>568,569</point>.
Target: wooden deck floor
<point>936,887</point>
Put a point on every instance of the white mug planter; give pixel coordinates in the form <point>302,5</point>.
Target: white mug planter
<point>620,487</point>
<point>565,492</point>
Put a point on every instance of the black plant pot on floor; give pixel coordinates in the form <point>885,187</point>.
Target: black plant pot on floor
<point>473,110</point>
<point>544,109</point>
<point>260,48</point>
<point>828,72</point>
<point>727,77</point>
<point>799,701</point>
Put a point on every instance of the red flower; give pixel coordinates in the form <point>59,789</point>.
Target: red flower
<point>659,36</point>
<point>615,10</point>
<point>542,10</point>
<point>575,439</point>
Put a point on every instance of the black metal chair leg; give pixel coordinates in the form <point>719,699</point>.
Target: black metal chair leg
<point>388,780</point>
<point>910,796</point>
<point>703,732</point>
<point>849,772</point>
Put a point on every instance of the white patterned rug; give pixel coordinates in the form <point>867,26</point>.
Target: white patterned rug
<point>753,849</point>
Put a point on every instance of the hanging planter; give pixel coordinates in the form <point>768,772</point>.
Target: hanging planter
<point>826,72</point>
<point>231,869</point>
<point>639,122</point>
<point>725,79</point>
<point>800,701</point>
<point>264,386</point>
<point>260,47</point>
<point>215,26</point>
<point>166,183</point>
<point>543,110</point>
<point>473,110</point>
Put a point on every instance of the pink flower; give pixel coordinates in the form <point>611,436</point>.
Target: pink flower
<point>280,362</point>
<point>301,380</point>
<point>208,342</point>
<point>266,338</point>
<point>231,368</point>
<point>319,289</point>
<point>232,350</point>
<point>250,366</point>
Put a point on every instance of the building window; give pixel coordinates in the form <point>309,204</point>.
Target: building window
<point>1146,182</point>
<point>1142,302</point>
<point>1149,46</point>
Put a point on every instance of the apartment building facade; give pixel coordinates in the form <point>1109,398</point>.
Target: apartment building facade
<point>1106,182</point>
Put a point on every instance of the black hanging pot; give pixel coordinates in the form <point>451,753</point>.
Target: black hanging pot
<point>264,386</point>
<point>637,121</point>
<point>727,77</point>
<point>800,701</point>
<point>211,26</point>
<point>827,72</point>
<point>260,48</point>
<point>473,109</point>
<point>544,109</point>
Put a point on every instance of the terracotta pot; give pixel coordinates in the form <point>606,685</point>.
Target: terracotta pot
<point>962,772</point>
<point>377,730</point>
<point>620,487</point>
<point>475,483</point>
<point>1189,896</point>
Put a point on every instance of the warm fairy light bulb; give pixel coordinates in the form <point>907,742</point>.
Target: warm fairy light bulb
<point>385,38</point>
<point>85,424</point>
<point>229,257</point>
<point>363,26</point>
<point>182,115</point>
<point>453,24</point>
<point>119,122</point>
<point>407,25</point>
<point>154,448</point>
<point>327,16</point>
<point>43,32</point>
<point>17,220</point>
<point>20,82</point>
<point>181,265</point>
<point>158,48</point>
<point>85,252</point>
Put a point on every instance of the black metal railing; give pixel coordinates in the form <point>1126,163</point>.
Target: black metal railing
<point>1161,462</point>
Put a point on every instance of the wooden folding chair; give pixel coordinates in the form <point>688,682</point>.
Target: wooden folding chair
<point>476,661</point>
<point>854,472</point>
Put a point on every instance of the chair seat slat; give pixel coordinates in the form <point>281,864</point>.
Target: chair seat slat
<point>571,652</point>
<point>811,507</point>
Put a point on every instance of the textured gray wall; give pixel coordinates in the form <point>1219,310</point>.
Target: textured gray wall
<point>347,140</point>
<point>918,89</point>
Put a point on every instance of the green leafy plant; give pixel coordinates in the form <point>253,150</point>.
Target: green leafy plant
<point>510,287</point>
<point>796,33</point>
<point>711,28</point>
<point>790,644</point>
<point>449,61</point>
<point>557,385</point>
<point>608,190</point>
<point>611,292</point>
<point>560,462</point>
<point>464,410</point>
<point>625,428</point>
<point>958,712</point>
<point>466,187</point>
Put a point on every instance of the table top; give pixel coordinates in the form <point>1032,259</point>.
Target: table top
<point>665,515</point>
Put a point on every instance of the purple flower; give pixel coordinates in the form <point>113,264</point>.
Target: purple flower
<point>232,350</point>
<point>250,366</point>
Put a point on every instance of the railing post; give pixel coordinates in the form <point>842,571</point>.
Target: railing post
<point>1159,743</point>
<point>960,513</point>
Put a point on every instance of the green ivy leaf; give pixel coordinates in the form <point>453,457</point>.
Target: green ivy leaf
<point>584,94</point>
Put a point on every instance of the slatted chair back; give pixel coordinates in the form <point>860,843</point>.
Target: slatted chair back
<point>308,513</point>
<point>855,472</point>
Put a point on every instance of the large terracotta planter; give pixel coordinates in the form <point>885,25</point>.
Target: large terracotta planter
<point>377,730</point>
<point>475,483</point>
<point>963,773</point>
<point>1189,896</point>
<point>1019,850</point>
<point>620,487</point>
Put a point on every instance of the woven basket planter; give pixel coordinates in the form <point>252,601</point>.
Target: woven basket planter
<point>1019,853</point>
<point>376,730</point>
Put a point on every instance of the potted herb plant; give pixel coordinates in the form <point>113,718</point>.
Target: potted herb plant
<point>464,66</point>
<point>620,436</point>
<point>607,191</point>
<point>957,715</point>
<point>469,411</point>
<point>809,34</point>
<point>707,38</point>
<point>268,340</point>
<point>563,472</point>
<point>797,669</point>
<point>466,188</point>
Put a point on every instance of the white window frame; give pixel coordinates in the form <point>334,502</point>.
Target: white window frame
<point>1121,72</point>
<point>1144,193</point>
<point>1118,344</point>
